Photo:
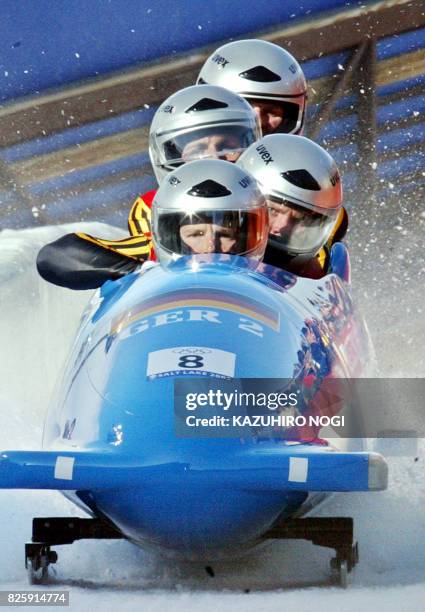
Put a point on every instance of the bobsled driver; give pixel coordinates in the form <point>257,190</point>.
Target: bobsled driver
<point>267,76</point>
<point>194,123</point>
<point>209,206</point>
<point>302,186</point>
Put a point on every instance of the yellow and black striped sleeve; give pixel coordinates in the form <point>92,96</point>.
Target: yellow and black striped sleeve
<point>79,261</point>
<point>135,247</point>
<point>139,219</point>
<point>82,261</point>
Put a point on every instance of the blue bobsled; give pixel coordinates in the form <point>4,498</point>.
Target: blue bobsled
<point>110,442</point>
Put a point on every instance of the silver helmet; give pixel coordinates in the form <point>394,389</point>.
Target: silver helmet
<point>302,186</point>
<point>198,122</point>
<point>209,206</point>
<point>264,72</point>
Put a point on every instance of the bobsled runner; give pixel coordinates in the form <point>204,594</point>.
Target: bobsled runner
<point>112,442</point>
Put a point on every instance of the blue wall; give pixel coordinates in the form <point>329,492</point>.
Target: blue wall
<point>45,43</point>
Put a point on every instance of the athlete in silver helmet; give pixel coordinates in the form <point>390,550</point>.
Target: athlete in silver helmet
<point>266,75</point>
<point>198,122</point>
<point>302,186</point>
<point>209,206</point>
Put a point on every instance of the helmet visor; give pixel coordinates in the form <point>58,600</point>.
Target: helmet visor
<point>277,116</point>
<point>295,229</point>
<point>235,232</point>
<point>215,141</point>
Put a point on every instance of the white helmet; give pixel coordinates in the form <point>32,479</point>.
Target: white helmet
<point>302,186</point>
<point>209,206</point>
<point>260,70</point>
<point>197,122</point>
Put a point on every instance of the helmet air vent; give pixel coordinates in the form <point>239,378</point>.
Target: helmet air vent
<point>301,178</point>
<point>261,74</point>
<point>209,189</point>
<point>206,104</point>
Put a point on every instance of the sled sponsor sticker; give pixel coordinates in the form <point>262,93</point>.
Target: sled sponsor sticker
<point>191,361</point>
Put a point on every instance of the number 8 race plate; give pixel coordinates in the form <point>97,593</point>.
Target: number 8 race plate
<point>192,361</point>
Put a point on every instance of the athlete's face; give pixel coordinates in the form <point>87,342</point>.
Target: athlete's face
<point>271,115</point>
<point>218,147</point>
<point>283,219</point>
<point>208,238</point>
